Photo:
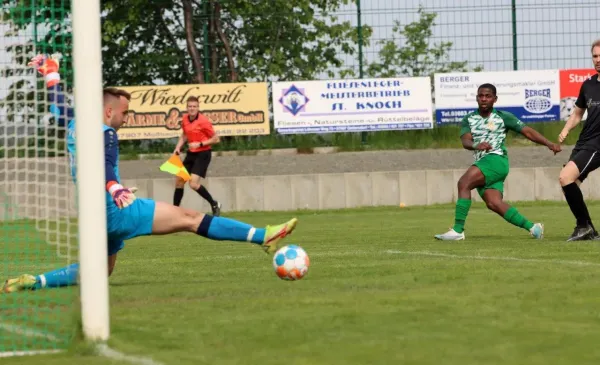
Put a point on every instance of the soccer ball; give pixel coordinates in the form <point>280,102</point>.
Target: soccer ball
<point>291,262</point>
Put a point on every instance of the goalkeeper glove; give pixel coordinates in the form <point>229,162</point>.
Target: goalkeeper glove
<point>48,67</point>
<point>122,197</point>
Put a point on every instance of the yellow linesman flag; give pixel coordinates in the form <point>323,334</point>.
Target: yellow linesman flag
<point>175,166</point>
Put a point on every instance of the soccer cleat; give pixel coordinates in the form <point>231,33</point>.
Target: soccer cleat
<point>595,235</point>
<point>537,231</point>
<point>451,235</point>
<point>23,282</point>
<point>581,234</point>
<point>216,209</point>
<point>275,234</point>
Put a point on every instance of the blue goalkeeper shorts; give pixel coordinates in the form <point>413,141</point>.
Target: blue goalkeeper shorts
<point>125,224</point>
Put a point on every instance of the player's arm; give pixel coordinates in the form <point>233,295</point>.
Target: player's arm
<point>468,144</point>
<point>531,134</point>
<point>213,137</point>
<point>536,137</point>
<point>180,143</point>
<point>212,140</point>
<point>576,116</point>
<point>121,196</point>
<point>466,137</point>
<point>59,106</point>
<point>574,119</point>
<point>48,67</point>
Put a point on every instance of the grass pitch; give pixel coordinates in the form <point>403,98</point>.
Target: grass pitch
<point>380,290</point>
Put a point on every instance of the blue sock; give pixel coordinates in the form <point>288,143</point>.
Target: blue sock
<point>227,229</point>
<point>62,277</point>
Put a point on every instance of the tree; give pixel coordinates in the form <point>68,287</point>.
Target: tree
<point>16,99</point>
<point>415,56</point>
<point>172,41</point>
<point>50,20</point>
<point>23,109</point>
<point>197,41</point>
<point>290,40</point>
<point>19,81</point>
<point>24,99</point>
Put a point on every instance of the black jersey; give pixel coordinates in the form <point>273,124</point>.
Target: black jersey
<point>589,98</point>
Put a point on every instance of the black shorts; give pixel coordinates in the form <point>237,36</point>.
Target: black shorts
<point>586,161</point>
<point>196,163</point>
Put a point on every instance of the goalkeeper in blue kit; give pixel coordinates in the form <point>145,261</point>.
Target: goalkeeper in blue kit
<point>128,216</point>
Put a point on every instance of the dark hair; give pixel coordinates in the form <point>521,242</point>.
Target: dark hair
<point>114,92</point>
<point>487,86</point>
<point>192,98</point>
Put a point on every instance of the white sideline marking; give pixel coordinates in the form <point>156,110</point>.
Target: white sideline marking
<point>28,353</point>
<point>28,332</point>
<point>316,254</point>
<point>106,351</point>
<point>103,349</point>
<point>493,258</point>
<point>414,253</point>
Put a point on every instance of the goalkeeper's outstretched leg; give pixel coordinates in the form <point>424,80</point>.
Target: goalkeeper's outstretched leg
<point>147,217</point>
<point>127,216</point>
<point>171,219</point>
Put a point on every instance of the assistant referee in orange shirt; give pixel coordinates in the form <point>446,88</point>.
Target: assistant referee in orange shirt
<point>200,135</point>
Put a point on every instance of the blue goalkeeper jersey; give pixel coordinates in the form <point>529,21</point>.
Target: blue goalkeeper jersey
<point>65,116</point>
<point>111,163</point>
<point>71,149</point>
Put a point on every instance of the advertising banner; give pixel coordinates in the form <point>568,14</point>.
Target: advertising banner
<point>352,105</point>
<point>570,83</point>
<point>532,96</point>
<point>235,109</point>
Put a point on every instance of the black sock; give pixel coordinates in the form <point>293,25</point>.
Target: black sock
<point>204,225</point>
<point>206,195</point>
<point>577,204</point>
<point>177,196</point>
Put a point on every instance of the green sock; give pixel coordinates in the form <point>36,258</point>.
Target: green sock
<point>460,216</point>
<point>514,217</point>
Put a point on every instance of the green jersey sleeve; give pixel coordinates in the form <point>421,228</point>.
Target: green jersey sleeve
<point>464,126</point>
<point>512,122</point>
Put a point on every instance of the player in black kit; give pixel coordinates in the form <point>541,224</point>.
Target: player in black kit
<point>585,157</point>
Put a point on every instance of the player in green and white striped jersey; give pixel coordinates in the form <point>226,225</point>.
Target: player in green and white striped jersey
<point>484,132</point>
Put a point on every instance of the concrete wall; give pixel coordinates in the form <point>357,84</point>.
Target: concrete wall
<point>290,192</point>
<point>349,190</point>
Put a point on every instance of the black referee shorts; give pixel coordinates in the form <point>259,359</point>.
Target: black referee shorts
<point>586,161</point>
<point>197,162</point>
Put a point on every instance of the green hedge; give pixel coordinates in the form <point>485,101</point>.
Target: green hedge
<point>439,137</point>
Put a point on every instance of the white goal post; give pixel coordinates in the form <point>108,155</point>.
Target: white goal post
<point>87,66</point>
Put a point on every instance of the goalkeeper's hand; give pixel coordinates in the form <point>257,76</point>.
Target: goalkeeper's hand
<point>123,197</point>
<point>47,66</point>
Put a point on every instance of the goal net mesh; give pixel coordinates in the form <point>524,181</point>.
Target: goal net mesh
<point>38,226</point>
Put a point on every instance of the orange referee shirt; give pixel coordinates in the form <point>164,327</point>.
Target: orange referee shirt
<point>198,130</point>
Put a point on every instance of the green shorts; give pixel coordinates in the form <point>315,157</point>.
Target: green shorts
<point>495,169</point>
